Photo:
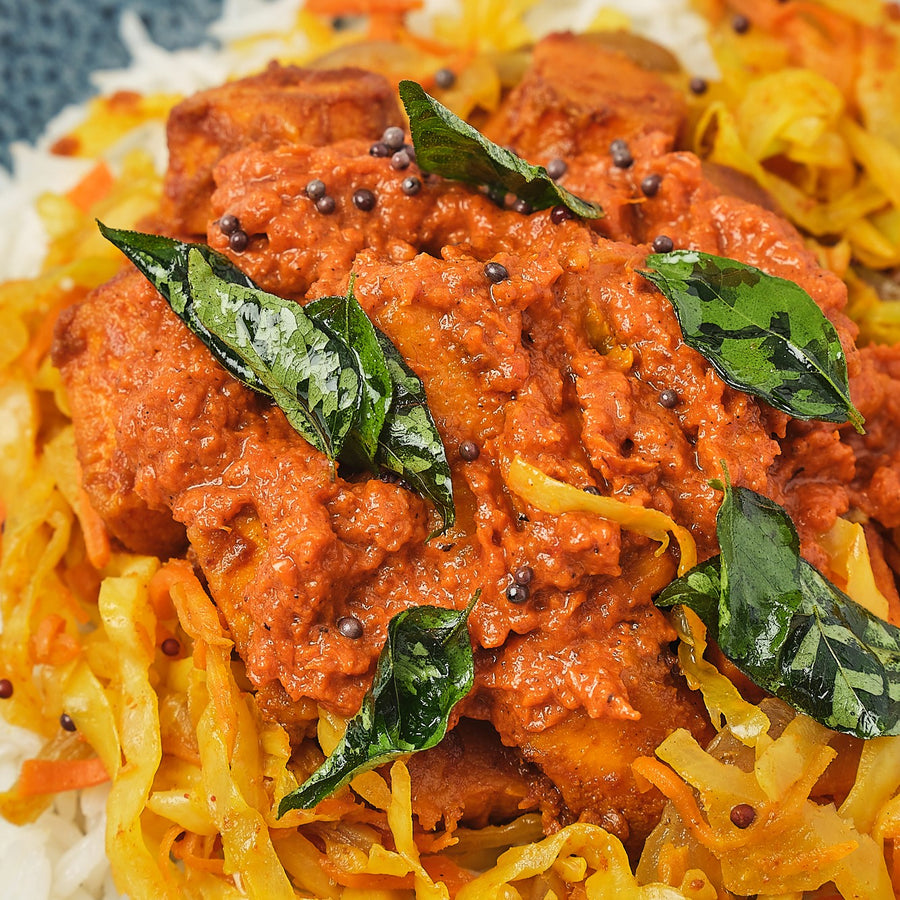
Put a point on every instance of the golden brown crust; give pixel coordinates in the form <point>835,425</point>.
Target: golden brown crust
<point>282,105</point>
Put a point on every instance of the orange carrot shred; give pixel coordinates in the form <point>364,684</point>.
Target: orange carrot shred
<point>50,644</point>
<point>663,778</point>
<point>51,776</point>
<point>92,188</point>
<point>96,539</point>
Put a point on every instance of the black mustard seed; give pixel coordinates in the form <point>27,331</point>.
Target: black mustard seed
<point>411,186</point>
<point>364,200</point>
<point>350,627</point>
<point>496,272</point>
<point>469,451</point>
<point>316,189</point>
<point>229,224</point>
<point>662,243</point>
<point>238,241</point>
<point>445,78</point>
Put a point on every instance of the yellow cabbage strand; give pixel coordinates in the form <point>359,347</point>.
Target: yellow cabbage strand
<point>557,497</point>
<point>130,625</point>
<point>877,781</point>
<point>587,847</point>
<point>746,721</point>
<point>848,557</point>
<point>793,844</point>
<point>229,749</point>
<point>400,819</point>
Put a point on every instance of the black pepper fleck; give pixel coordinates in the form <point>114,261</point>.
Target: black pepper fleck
<point>316,189</point>
<point>364,200</point>
<point>350,627</point>
<point>171,646</point>
<point>743,815</point>
<point>6,689</point>
<point>650,185</point>
<point>469,451</point>
<point>496,272</point>
<point>445,78</point>
<point>325,205</point>
<point>411,186</point>
<point>741,24</point>
<point>662,243</point>
<point>65,720</point>
<point>238,241</point>
<point>229,224</point>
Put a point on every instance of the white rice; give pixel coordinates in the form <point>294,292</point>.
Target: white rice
<point>61,856</point>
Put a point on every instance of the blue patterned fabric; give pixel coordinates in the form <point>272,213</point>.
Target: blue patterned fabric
<point>49,47</point>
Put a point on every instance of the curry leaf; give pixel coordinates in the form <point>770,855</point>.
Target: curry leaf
<point>787,627</point>
<point>425,668</point>
<point>345,317</point>
<point>163,261</point>
<point>387,426</point>
<point>762,334</point>
<point>311,374</point>
<point>410,443</point>
<point>450,147</point>
<point>700,588</point>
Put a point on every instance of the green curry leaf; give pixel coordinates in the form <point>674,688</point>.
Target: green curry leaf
<point>762,334</point>
<point>410,443</point>
<point>163,262</point>
<point>787,627</point>
<point>425,668</point>
<point>310,373</point>
<point>450,147</point>
<point>345,317</point>
<point>339,380</point>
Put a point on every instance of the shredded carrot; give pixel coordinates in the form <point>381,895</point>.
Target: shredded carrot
<point>92,188</point>
<point>665,779</point>
<point>165,847</point>
<point>161,586</point>
<point>439,868</point>
<point>50,644</point>
<point>52,776</point>
<point>367,881</point>
<point>198,616</point>
<point>96,538</point>
<point>194,851</point>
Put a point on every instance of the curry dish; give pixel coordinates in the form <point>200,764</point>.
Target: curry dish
<point>564,357</point>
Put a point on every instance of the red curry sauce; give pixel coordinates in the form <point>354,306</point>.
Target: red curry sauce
<point>564,363</point>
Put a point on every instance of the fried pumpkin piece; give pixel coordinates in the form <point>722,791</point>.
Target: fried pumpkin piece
<point>579,96</point>
<point>281,105</point>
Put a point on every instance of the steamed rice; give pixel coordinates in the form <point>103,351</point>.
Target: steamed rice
<point>62,854</point>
